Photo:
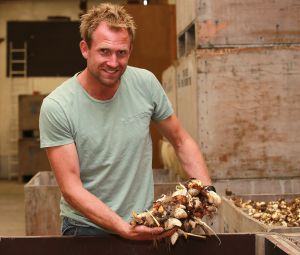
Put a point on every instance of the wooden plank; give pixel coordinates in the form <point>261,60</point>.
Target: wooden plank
<point>169,85</point>
<point>42,197</point>
<point>248,111</point>
<point>233,220</point>
<point>187,94</point>
<point>29,111</point>
<point>163,188</point>
<point>185,14</point>
<point>32,158</point>
<point>258,185</point>
<point>278,244</point>
<point>231,22</point>
<point>111,245</point>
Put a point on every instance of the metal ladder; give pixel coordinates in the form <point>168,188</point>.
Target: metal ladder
<point>17,69</point>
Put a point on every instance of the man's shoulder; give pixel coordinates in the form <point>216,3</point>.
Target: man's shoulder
<point>137,72</point>
<point>62,95</point>
<point>64,90</point>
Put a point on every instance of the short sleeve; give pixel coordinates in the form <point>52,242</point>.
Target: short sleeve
<point>54,126</point>
<point>162,105</point>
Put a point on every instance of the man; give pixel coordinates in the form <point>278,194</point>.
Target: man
<point>95,128</point>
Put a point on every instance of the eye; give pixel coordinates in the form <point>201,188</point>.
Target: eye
<point>122,53</point>
<point>104,52</point>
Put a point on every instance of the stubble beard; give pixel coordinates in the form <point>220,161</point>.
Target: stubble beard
<point>107,82</point>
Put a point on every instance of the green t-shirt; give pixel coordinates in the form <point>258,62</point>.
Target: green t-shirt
<point>112,138</point>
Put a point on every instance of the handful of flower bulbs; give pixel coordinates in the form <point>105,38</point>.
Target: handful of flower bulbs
<point>183,209</point>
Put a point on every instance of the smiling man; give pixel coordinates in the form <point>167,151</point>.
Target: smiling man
<point>95,128</point>
<point>107,56</point>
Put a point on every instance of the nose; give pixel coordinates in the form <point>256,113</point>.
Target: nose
<point>113,61</point>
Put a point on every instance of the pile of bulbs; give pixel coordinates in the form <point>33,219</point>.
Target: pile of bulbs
<point>183,209</point>
<point>277,213</point>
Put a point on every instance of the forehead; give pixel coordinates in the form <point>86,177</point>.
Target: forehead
<point>110,36</point>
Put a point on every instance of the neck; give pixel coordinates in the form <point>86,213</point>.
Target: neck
<point>94,88</point>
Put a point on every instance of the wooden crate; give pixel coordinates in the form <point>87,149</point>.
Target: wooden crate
<point>235,220</point>
<point>42,197</point>
<point>185,14</point>
<point>258,186</point>
<point>282,244</point>
<point>32,158</point>
<point>213,23</point>
<point>246,244</point>
<point>187,93</point>
<point>242,107</point>
<point>243,244</point>
<point>29,112</point>
<point>169,85</point>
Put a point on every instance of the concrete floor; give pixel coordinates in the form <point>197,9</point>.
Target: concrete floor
<point>12,211</point>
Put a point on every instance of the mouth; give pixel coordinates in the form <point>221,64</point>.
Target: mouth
<point>114,71</point>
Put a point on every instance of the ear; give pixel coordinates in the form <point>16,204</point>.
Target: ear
<point>84,48</point>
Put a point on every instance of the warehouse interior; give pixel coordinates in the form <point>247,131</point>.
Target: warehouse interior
<point>231,70</point>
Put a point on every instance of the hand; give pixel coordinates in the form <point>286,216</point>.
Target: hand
<point>146,233</point>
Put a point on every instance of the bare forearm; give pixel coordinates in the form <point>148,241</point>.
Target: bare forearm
<point>192,160</point>
<point>94,209</point>
<point>186,149</point>
<point>65,164</point>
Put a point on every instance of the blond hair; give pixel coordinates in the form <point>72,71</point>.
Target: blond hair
<point>114,15</point>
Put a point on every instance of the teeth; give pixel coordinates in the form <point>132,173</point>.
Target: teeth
<point>111,71</point>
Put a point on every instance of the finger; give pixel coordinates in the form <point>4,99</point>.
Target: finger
<point>168,233</point>
<point>157,230</point>
<point>146,233</point>
<point>157,233</point>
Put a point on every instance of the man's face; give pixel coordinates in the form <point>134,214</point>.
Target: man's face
<point>108,54</point>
